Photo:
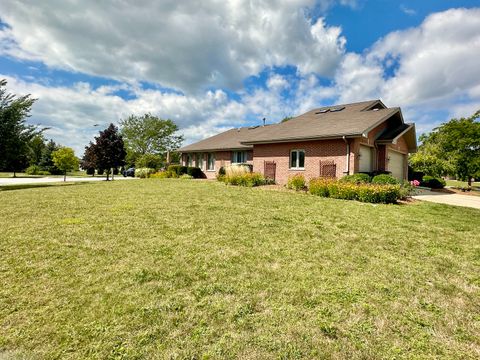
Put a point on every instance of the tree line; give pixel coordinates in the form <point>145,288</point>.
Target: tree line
<point>452,149</point>
<point>142,141</point>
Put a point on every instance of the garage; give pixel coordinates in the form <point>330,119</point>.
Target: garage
<point>396,164</point>
<point>366,159</point>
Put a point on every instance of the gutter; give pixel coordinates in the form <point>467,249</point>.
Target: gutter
<point>348,155</point>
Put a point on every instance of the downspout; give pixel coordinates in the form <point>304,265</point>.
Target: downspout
<point>348,155</point>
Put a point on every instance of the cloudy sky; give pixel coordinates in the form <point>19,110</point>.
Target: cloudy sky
<point>213,64</point>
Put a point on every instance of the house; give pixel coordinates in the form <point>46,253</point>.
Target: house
<point>330,141</point>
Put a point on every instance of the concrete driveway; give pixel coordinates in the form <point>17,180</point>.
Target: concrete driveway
<point>42,180</point>
<point>449,199</point>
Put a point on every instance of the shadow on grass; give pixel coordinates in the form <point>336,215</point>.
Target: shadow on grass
<point>30,186</point>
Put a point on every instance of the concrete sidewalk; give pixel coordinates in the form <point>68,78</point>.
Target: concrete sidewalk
<point>449,199</point>
<point>42,180</point>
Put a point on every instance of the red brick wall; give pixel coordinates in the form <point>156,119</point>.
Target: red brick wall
<point>315,151</point>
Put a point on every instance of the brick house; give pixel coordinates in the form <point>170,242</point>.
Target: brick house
<point>331,141</point>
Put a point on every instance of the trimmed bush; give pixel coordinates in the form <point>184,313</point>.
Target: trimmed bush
<point>385,179</point>
<point>433,182</point>
<point>90,171</point>
<point>296,182</point>
<point>356,178</point>
<point>177,169</point>
<point>195,172</point>
<point>143,173</point>
<point>100,171</point>
<point>365,192</point>
<point>186,177</point>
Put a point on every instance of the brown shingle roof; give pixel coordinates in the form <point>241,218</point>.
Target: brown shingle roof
<point>352,120</point>
<point>229,139</point>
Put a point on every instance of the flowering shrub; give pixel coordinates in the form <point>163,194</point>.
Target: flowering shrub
<point>160,175</point>
<point>186,177</point>
<point>296,182</point>
<point>415,183</point>
<point>247,179</point>
<point>365,192</point>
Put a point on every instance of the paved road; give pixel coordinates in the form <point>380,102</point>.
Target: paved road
<point>449,199</point>
<point>20,181</point>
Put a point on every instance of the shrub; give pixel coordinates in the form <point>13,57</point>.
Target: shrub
<point>365,192</point>
<point>33,170</point>
<point>90,171</point>
<point>320,186</point>
<point>177,169</point>
<point>143,173</point>
<point>385,179</point>
<point>160,175</point>
<point>221,174</point>
<point>247,179</point>
<point>115,171</point>
<point>195,172</point>
<point>296,182</point>
<point>356,178</point>
<point>100,171</point>
<point>433,182</point>
<point>186,177</point>
<point>149,161</point>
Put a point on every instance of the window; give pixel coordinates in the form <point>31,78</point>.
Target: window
<point>189,160</point>
<point>199,161</point>
<point>211,161</point>
<point>297,159</point>
<point>239,157</point>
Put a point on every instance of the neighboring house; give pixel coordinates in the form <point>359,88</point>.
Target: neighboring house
<point>331,141</point>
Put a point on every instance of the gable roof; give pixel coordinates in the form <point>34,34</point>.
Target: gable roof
<point>349,120</point>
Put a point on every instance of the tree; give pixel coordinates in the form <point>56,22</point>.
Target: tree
<point>452,148</point>
<point>109,150</point>
<point>65,160</point>
<point>46,161</point>
<point>37,147</point>
<point>89,160</point>
<point>15,134</point>
<point>149,134</point>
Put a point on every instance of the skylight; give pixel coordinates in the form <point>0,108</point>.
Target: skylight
<point>338,108</point>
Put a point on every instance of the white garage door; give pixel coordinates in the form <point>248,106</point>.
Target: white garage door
<point>396,164</point>
<point>366,159</point>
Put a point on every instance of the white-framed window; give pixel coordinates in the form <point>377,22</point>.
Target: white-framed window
<point>239,157</point>
<point>199,160</point>
<point>297,159</point>
<point>189,161</point>
<point>211,161</point>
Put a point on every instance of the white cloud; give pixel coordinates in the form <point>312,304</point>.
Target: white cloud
<point>186,45</point>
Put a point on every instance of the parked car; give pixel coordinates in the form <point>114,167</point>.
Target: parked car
<point>129,172</point>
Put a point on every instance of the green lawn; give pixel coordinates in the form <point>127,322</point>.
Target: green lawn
<point>21,174</point>
<point>461,183</point>
<point>184,269</point>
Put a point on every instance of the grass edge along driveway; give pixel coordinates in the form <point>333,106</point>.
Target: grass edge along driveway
<point>196,269</point>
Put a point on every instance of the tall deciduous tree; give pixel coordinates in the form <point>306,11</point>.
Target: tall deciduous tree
<point>65,160</point>
<point>452,148</point>
<point>149,134</point>
<point>109,149</point>
<point>15,134</point>
<point>89,160</point>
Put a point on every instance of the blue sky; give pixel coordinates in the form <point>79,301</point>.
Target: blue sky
<point>219,65</point>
